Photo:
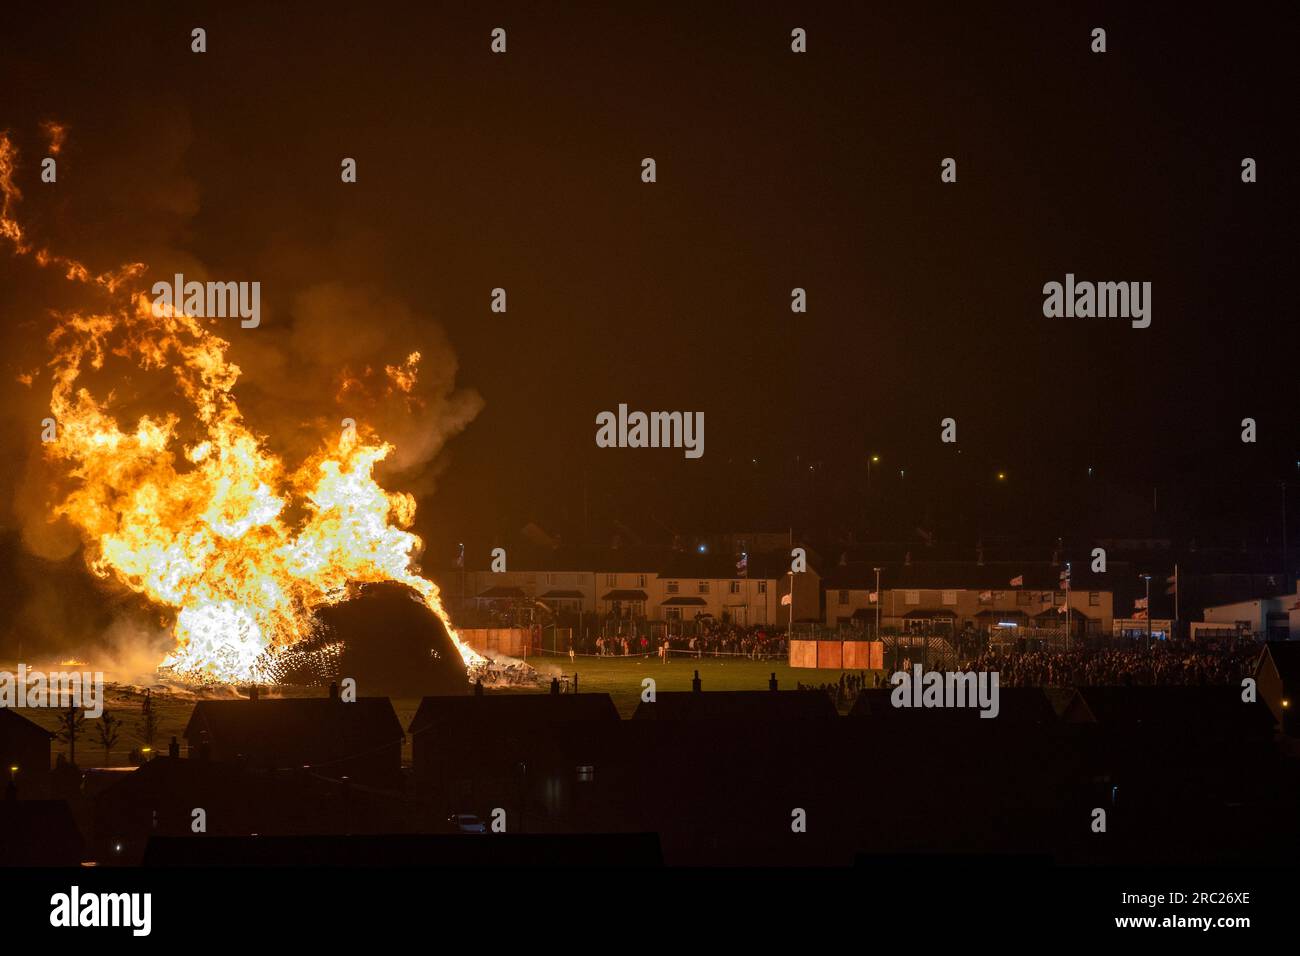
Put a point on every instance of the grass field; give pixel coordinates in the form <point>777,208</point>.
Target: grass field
<point>620,677</point>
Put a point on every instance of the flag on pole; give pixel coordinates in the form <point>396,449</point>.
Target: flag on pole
<point>1172,581</point>
<point>742,566</point>
<point>1139,615</point>
<point>873,597</point>
<point>1018,581</point>
<point>1140,602</point>
<point>460,557</point>
<point>785,600</point>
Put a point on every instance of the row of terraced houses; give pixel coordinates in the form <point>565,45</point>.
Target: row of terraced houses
<point>752,589</point>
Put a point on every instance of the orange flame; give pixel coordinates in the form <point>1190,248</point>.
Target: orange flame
<point>211,525</point>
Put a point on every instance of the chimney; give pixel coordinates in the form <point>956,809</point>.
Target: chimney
<point>771,681</point>
<point>575,682</point>
<point>695,682</point>
<point>555,686</point>
<point>478,687</point>
<point>174,749</point>
<point>334,690</point>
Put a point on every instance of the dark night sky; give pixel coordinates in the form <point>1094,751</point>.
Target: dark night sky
<point>775,171</point>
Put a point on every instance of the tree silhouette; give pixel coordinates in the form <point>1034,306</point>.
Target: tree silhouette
<point>109,729</point>
<point>70,722</point>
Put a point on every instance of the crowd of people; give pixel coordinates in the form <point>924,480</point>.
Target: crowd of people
<point>1164,663</point>
<point>711,638</point>
<point>846,691</point>
<point>724,638</point>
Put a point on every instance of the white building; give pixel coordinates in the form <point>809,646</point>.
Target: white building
<point>1274,619</point>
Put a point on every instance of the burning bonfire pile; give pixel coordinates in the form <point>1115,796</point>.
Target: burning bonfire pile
<point>512,673</point>
<point>186,506</point>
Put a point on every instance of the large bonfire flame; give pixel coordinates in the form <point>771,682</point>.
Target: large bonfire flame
<point>192,510</point>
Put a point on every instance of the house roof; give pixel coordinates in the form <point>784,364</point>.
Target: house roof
<point>665,562</point>
<point>755,705</point>
<point>293,731</point>
<point>463,714</point>
<point>1285,656</point>
<point>452,851</point>
<point>14,725</point>
<point>39,833</point>
<point>503,591</point>
<point>1184,709</point>
<point>962,575</point>
<point>1016,705</point>
<point>687,565</point>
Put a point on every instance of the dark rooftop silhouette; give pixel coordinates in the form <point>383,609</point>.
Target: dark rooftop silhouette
<point>336,738</point>
<point>752,705</point>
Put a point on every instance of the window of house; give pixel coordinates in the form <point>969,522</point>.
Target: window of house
<point>844,597</point>
<point>1060,597</point>
<point>762,587</point>
<point>950,598</point>
<point>1094,599</point>
<point>911,597</point>
<point>704,587</point>
<point>640,580</point>
<point>1024,597</point>
<point>611,580</point>
<point>673,587</point>
<point>735,587</point>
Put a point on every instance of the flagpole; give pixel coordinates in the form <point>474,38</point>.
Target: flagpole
<point>789,628</point>
<point>1067,605</point>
